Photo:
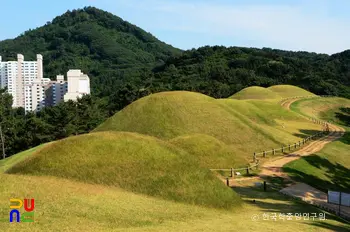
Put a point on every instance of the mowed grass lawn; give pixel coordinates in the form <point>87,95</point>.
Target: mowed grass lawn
<point>328,169</point>
<point>64,205</point>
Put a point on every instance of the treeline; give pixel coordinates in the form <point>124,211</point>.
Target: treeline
<point>219,71</point>
<point>22,131</point>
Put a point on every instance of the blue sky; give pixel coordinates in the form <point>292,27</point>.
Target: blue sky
<point>321,26</point>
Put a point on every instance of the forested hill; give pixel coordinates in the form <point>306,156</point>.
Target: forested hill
<point>220,71</point>
<point>103,45</point>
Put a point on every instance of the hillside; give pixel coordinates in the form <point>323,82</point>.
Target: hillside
<point>133,162</point>
<point>110,50</point>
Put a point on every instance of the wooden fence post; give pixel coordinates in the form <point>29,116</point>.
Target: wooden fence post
<point>254,157</point>
<point>231,172</point>
<point>247,170</point>
<point>264,154</point>
<point>227,182</point>
<point>274,152</point>
<point>289,147</point>
<point>295,146</point>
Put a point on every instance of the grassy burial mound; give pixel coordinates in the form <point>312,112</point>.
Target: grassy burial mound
<point>286,91</point>
<point>210,152</point>
<point>272,124</point>
<point>168,115</point>
<point>133,162</point>
<point>249,126</point>
<point>256,92</point>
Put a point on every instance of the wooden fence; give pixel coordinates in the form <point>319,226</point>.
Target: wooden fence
<point>233,170</point>
<point>283,149</point>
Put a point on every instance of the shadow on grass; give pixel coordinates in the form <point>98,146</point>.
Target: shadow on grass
<point>343,116</point>
<point>346,138</point>
<point>306,133</point>
<point>325,225</point>
<point>338,175</point>
<point>266,201</point>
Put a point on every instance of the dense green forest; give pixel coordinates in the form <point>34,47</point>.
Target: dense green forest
<point>220,71</point>
<point>125,63</point>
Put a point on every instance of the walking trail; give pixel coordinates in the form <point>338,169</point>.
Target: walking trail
<point>273,168</point>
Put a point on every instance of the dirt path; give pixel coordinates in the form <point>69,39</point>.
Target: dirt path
<point>303,191</point>
<point>274,167</point>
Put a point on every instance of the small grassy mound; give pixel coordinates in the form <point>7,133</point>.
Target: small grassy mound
<point>255,92</point>
<point>133,162</point>
<point>286,91</point>
<point>210,152</point>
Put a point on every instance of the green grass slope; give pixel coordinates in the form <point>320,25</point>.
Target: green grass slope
<point>133,162</point>
<point>209,151</point>
<point>65,205</point>
<point>7,163</point>
<point>249,126</point>
<point>255,92</point>
<point>324,108</point>
<point>329,168</point>
<point>286,91</point>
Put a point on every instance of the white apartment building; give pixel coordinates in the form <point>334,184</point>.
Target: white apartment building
<point>24,81</point>
<point>78,85</point>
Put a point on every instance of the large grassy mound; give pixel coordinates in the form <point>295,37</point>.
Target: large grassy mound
<point>286,91</point>
<point>249,126</point>
<point>209,151</point>
<point>256,92</point>
<point>130,161</point>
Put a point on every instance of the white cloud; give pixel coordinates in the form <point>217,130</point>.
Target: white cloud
<point>303,26</point>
